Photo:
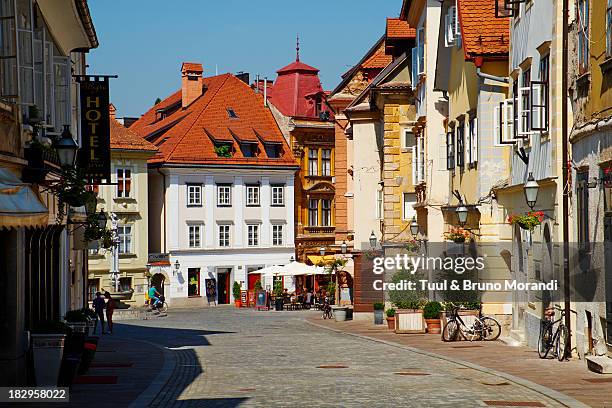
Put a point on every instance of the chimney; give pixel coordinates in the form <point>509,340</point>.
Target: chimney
<point>191,73</point>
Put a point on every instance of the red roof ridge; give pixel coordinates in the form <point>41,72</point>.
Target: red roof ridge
<point>169,155</point>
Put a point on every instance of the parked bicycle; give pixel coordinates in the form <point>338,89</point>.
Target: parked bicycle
<point>484,327</point>
<point>551,338</point>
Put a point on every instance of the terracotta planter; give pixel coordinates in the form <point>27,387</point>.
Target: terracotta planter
<point>238,303</point>
<point>391,322</point>
<point>433,326</point>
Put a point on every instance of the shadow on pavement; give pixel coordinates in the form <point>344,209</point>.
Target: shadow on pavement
<point>166,337</point>
<point>211,402</point>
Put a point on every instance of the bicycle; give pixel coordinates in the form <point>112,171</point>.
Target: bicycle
<point>160,308</point>
<point>547,339</point>
<point>484,327</point>
<point>327,309</point>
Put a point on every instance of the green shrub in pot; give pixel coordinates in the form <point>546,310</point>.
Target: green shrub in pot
<point>432,310</point>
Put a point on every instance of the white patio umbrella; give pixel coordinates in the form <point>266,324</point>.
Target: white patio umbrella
<point>297,268</point>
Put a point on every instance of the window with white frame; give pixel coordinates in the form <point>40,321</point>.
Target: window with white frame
<point>326,213</point>
<point>505,123</point>
<point>32,69</point>
<point>313,212</point>
<point>252,196</point>
<point>450,149</point>
<point>277,235</point>
<point>609,28</point>
<point>224,195</point>
<point>418,57</point>
<point>472,140</point>
<point>253,234</point>
<point>326,162</point>
<point>452,29</point>
<point>539,97</point>
<point>195,236</point>
<point>421,159</point>
<point>524,104</point>
<point>584,48</point>
<point>408,141</point>
<point>278,195</point>
<point>194,195</point>
<point>379,203</point>
<point>313,162</point>
<point>124,232</point>
<point>124,183</point>
<point>224,235</point>
<point>408,207</point>
<point>461,143</point>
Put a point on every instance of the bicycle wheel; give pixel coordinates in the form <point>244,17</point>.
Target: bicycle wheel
<point>450,331</point>
<point>163,308</point>
<point>562,342</point>
<point>544,341</point>
<point>491,329</point>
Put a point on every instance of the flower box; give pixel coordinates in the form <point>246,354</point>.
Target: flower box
<point>409,321</point>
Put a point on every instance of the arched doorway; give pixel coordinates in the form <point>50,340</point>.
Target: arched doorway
<point>158,280</point>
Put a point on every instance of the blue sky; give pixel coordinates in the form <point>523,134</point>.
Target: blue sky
<point>145,41</point>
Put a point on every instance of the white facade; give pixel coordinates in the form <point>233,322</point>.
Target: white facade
<point>209,237</point>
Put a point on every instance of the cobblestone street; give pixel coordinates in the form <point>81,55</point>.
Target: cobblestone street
<point>223,357</point>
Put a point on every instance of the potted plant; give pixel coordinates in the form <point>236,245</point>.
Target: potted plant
<point>431,313</point>
<point>457,235</point>
<point>278,296</point>
<point>257,286</point>
<point>390,318</point>
<point>48,340</point>
<point>408,316</point>
<point>379,307</point>
<point>527,221</point>
<point>237,291</point>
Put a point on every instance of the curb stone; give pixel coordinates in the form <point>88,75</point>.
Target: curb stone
<point>150,393</point>
<point>550,393</point>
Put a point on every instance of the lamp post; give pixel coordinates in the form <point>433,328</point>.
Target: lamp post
<point>66,148</point>
<point>414,227</point>
<point>177,267</point>
<point>322,251</point>
<point>373,240</point>
<point>531,189</point>
<point>102,219</point>
<point>462,214</point>
<point>343,247</point>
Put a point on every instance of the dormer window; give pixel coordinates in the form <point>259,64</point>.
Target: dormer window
<point>231,113</point>
<point>223,150</point>
<point>273,151</point>
<point>249,149</point>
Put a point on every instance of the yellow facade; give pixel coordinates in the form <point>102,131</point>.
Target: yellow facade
<point>131,211</point>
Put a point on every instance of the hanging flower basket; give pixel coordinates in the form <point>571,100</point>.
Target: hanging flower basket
<point>527,221</point>
<point>457,235</point>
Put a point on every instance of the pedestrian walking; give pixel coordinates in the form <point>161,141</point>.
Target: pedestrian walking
<point>110,308</point>
<point>98,305</point>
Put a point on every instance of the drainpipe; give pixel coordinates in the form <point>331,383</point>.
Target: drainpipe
<point>164,195</point>
<point>566,170</point>
<point>478,61</point>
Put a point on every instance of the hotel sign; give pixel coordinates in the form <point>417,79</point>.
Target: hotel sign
<point>94,156</point>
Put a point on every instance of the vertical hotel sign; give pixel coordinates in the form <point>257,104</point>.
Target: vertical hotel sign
<point>94,156</point>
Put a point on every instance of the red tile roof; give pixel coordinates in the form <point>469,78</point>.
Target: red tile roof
<point>296,90</point>
<point>399,29</point>
<point>378,60</point>
<point>187,136</point>
<point>482,33</point>
<point>122,138</point>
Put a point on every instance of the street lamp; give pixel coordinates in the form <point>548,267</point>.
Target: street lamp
<point>322,251</point>
<point>414,227</point>
<point>531,189</point>
<point>462,214</point>
<point>66,148</point>
<point>102,219</point>
<point>343,247</point>
<point>372,240</point>
<point>292,259</point>
<point>177,267</point>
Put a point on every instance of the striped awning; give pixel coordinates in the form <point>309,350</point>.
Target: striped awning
<point>20,206</point>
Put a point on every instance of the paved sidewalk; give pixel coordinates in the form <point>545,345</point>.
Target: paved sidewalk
<point>134,363</point>
<point>570,377</point>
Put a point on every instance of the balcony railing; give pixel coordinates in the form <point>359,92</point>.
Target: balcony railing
<point>320,230</point>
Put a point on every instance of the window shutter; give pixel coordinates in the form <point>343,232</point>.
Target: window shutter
<point>448,34</point>
<point>524,112</point>
<point>442,154</point>
<point>452,16</point>
<point>504,123</point>
<point>475,141</point>
<point>415,165</point>
<point>415,67</point>
<point>539,106</point>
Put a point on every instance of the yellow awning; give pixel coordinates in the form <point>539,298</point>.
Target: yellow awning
<point>318,260</point>
<point>19,204</point>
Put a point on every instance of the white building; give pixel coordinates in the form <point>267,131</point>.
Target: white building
<point>221,196</point>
